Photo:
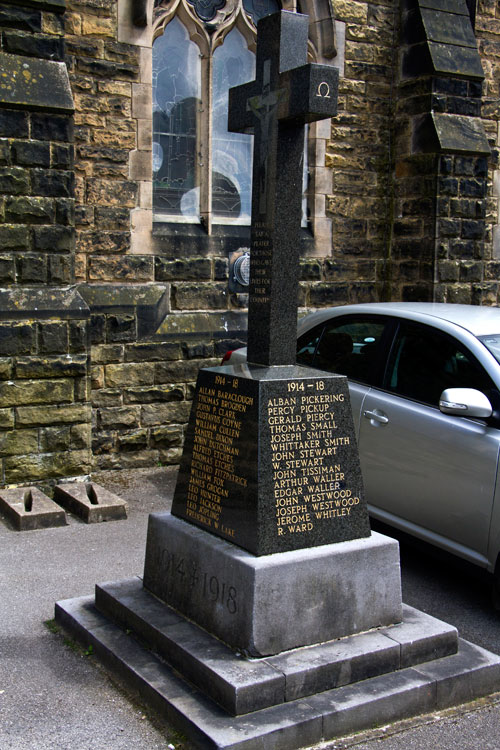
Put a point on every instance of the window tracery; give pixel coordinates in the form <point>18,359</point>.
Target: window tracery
<point>201,172</point>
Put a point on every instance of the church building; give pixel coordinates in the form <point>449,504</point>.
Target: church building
<point>125,200</point>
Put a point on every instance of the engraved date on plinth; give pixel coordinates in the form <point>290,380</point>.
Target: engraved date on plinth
<point>185,573</point>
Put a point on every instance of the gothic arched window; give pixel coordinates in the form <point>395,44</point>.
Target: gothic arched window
<point>201,172</point>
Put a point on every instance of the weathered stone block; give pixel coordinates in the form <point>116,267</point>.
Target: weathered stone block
<point>31,153</point>
<point>16,18</point>
<point>194,296</point>
<point>121,327</point>
<point>198,350</point>
<point>50,127</point>
<point>80,437</point>
<point>5,369</point>
<point>53,338</point>
<point>52,182</point>
<point>321,295</point>
<point>112,217</point>
<point>13,181</point>
<point>56,414</point>
<point>166,437</point>
<point>152,351</point>
<point>110,192</point>
<point>183,269</point>
<point>42,46</point>
<point>48,367</point>
<point>156,414</point>
<point>152,394</point>
<point>62,156</point>
<point>135,440</point>
<point>31,268</point>
<point>135,267</point>
<point>44,466</point>
<point>90,501</point>
<point>18,442</point>
<point>28,210</point>
<point>53,238</point>
<point>65,211</point>
<point>129,374</point>
<point>17,338</point>
<point>7,270</point>
<point>120,417</point>
<point>103,242</point>
<point>14,124</point>
<point>78,331</point>
<point>14,237</point>
<point>175,372</point>
<point>54,439</point>
<point>14,393</point>
<point>6,418</point>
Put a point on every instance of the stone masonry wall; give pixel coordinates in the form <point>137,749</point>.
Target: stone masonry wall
<point>45,430</point>
<point>44,327</point>
<point>360,155</point>
<point>402,225</point>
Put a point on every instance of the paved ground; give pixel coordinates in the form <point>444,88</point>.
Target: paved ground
<point>55,697</point>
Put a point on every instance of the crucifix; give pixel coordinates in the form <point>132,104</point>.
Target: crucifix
<point>287,94</point>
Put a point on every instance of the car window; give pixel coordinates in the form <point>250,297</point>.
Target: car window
<point>347,346</point>
<point>425,361</point>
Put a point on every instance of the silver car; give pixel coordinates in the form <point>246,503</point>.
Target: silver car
<point>424,381</point>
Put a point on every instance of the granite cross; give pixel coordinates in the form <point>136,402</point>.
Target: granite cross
<point>286,94</point>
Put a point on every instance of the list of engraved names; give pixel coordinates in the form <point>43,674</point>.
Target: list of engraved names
<point>308,475</point>
<point>220,415</point>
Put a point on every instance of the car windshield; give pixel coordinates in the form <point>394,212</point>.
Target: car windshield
<point>492,343</point>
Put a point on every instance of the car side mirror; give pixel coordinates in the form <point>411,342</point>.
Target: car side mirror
<point>465,402</point>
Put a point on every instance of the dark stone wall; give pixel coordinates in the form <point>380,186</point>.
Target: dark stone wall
<point>439,249</point>
<point>44,323</point>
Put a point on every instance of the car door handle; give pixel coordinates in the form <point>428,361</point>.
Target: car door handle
<point>377,416</point>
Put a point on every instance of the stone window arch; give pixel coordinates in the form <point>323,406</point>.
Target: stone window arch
<point>194,164</point>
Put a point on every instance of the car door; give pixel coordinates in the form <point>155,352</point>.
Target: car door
<point>421,466</point>
<point>352,345</point>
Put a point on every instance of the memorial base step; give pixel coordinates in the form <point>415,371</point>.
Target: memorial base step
<point>292,700</point>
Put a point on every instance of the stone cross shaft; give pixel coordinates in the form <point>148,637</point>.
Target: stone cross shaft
<point>287,94</point>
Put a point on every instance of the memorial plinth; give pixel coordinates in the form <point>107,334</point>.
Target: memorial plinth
<point>270,461</point>
<point>268,604</point>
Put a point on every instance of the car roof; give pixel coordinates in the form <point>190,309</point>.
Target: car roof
<point>480,321</point>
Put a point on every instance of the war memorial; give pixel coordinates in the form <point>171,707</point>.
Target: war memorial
<point>269,616</point>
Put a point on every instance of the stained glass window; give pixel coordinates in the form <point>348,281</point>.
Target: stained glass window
<point>177,99</point>
<point>201,172</point>
<point>231,152</point>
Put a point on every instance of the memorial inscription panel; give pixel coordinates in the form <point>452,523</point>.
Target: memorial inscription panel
<point>270,460</point>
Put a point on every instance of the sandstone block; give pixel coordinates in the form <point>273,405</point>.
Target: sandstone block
<point>129,374</point>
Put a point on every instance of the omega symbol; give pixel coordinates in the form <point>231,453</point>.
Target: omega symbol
<point>323,90</point>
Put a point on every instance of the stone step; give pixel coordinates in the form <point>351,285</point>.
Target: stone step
<point>241,685</point>
<point>470,673</point>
